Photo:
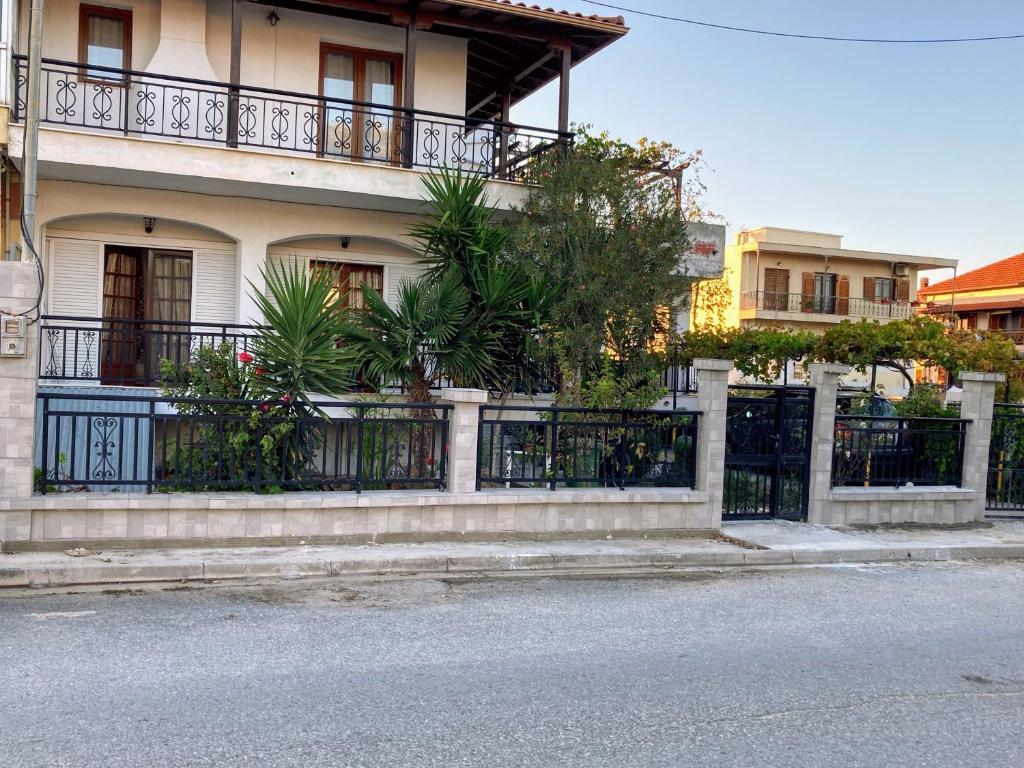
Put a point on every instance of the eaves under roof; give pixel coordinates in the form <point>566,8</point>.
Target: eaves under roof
<point>512,45</point>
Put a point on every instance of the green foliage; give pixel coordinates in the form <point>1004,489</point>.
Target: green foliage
<point>607,236</point>
<point>425,337</point>
<point>243,442</point>
<point>297,351</point>
<point>925,400</point>
<point>760,352</point>
<point>636,389</point>
<point>475,318</point>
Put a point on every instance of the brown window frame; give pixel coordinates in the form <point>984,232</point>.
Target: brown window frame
<point>124,15</point>
<point>359,56</point>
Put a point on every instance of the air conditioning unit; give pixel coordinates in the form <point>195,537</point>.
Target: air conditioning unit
<point>901,270</point>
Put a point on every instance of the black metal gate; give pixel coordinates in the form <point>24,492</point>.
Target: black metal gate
<point>767,452</point>
<point>1005,492</point>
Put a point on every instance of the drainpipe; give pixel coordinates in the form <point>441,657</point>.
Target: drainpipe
<point>30,156</point>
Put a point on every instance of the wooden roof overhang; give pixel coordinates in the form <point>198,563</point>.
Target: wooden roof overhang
<point>512,46</point>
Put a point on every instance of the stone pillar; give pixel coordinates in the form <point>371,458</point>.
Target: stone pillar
<point>824,378</point>
<point>19,284</point>
<point>976,404</point>
<point>712,399</point>
<point>463,432</point>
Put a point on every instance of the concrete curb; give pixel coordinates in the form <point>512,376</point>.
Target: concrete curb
<point>91,572</point>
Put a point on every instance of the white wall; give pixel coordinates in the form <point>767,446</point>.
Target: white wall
<point>285,56</point>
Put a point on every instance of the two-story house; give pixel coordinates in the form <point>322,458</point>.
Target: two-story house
<point>808,281</point>
<point>183,144</point>
<point>989,298</point>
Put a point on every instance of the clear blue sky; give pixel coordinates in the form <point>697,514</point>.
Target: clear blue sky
<point>905,148</point>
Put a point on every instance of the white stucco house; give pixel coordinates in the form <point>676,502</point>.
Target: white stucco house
<point>184,143</point>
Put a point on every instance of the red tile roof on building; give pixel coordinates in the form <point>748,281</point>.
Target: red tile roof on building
<point>573,14</point>
<point>1008,273</point>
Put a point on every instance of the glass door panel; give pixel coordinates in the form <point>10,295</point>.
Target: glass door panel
<point>338,82</point>
<point>380,87</point>
<point>170,308</point>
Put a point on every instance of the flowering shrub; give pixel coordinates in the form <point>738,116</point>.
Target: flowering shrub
<point>223,445</point>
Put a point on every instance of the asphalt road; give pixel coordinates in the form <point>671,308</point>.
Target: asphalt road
<point>883,666</point>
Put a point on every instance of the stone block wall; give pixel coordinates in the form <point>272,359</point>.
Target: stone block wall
<point>19,286</point>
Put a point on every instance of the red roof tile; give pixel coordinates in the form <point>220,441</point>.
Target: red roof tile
<point>591,17</point>
<point>1007,273</point>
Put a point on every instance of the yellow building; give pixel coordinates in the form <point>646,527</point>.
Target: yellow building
<point>808,281</point>
<point>988,298</point>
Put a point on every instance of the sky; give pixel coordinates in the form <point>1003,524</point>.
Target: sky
<point>913,149</point>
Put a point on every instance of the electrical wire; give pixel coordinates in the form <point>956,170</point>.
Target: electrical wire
<point>829,38</point>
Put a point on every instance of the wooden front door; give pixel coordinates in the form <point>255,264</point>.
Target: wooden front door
<point>147,304</point>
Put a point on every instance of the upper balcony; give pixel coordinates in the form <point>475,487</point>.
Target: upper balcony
<point>141,104</point>
<point>764,305</point>
<point>337,103</point>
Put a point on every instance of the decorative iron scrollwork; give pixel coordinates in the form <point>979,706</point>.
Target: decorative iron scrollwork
<point>146,107</point>
<point>106,427</point>
<point>180,111</point>
<point>102,102</point>
<point>67,97</point>
<point>247,120</point>
<point>214,116</point>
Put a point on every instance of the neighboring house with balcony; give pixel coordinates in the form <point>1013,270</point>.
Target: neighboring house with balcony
<point>989,298</point>
<point>808,281</point>
<point>185,144</point>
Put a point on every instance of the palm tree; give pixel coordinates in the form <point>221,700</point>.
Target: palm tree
<point>424,338</point>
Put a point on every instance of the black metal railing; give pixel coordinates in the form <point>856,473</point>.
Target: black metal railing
<point>525,446</point>
<point>104,443</point>
<point>895,451</point>
<point>127,352</point>
<point>826,305</point>
<point>144,104</point>
<point>1005,487</point>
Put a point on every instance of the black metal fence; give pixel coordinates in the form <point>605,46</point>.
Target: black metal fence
<point>893,451</point>
<point>127,352</point>
<point>103,442</point>
<point>1005,491</point>
<point>201,111</point>
<point>767,452</point>
<point>527,446</point>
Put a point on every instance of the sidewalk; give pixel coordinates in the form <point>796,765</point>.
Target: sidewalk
<point>742,544</point>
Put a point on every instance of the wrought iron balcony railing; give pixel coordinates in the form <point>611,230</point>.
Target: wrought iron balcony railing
<point>129,352</point>
<point>1016,335</point>
<point>208,112</point>
<point>825,305</point>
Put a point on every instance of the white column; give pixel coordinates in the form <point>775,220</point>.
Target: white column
<point>976,405</point>
<point>712,401</point>
<point>824,378</point>
<point>252,257</point>
<point>19,283</point>
<point>463,432</point>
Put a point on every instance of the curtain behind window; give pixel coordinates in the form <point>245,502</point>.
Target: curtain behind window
<point>105,44</point>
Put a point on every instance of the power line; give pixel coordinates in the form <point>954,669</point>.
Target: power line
<point>830,38</point>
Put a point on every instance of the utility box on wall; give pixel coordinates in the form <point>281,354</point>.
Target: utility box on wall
<point>13,336</point>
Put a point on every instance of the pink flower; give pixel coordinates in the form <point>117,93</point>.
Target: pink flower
<point>286,398</point>
<point>259,371</point>
<point>265,407</point>
<point>245,357</point>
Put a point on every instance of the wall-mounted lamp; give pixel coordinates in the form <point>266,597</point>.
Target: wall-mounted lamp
<point>148,223</point>
<point>345,241</point>
<point>273,18</point>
